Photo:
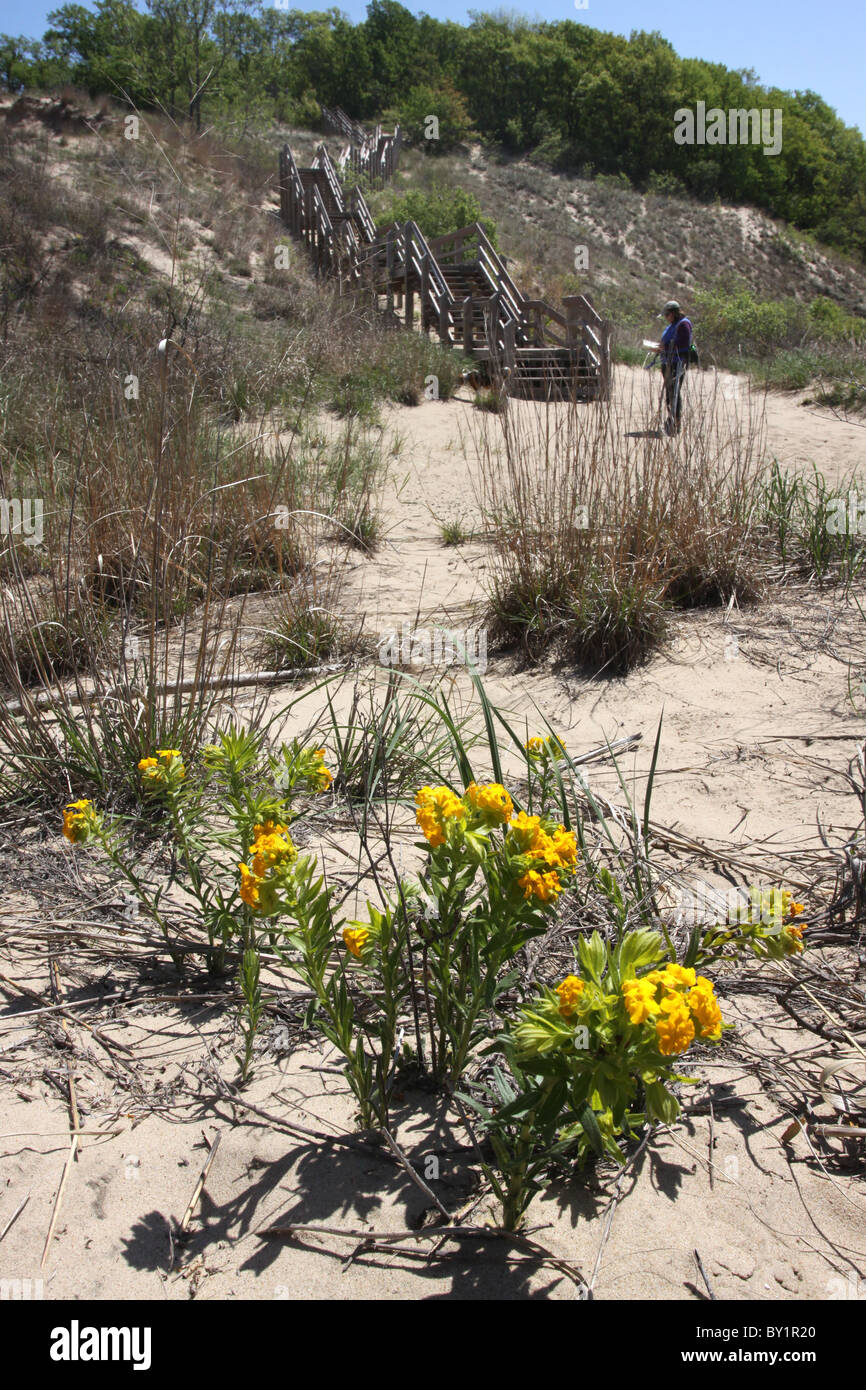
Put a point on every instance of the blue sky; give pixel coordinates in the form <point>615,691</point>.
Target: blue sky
<point>792,45</point>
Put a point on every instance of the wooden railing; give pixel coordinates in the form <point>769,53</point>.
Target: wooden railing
<point>402,264</point>
<point>437,301</point>
<point>324,162</point>
<point>335,119</point>
<point>356,204</point>
<point>374,160</point>
<point>471,246</point>
<point>291,193</point>
<point>372,155</point>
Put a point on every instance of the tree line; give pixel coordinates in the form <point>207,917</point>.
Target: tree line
<point>579,99</point>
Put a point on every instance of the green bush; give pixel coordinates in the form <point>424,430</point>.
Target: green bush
<point>829,320</point>
<point>446,104</point>
<point>666,185</point>
<point>438,211</point>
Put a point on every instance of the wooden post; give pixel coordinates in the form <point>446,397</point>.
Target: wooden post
<point>491,322</point>
<point>445,334</point>
<point>425,291</point>
<point>389,268</point>
<point>510,344</point>
<point>573,319</point>
<point>408,294</point>
<point>492,316</point>
<point>605,332</point>
<point>468,327</point>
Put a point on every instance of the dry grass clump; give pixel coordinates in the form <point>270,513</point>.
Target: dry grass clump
<point>600,531</point>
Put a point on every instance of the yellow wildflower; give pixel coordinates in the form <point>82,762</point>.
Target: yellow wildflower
<point>675,1031</point>
<point>271,849</point>
<point>569,993</point>
<point>540,748</point>
<point>705,1008</point>
<point>80,819</point>
<point>525,832</point>
<point>674,975</point>
<point>639,997</point>
<point>354,939</point>
<point>250,886</point>
<point>269,827</point>
<point>163,772</point>
<point>560,848</point>
<point>321,777</point>
<point>542,886</point>
<point>792,939</point>
<point>491,802</point>
<point>272,852</point>
<point>434,806</point>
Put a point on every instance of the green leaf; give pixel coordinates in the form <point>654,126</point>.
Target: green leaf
<point>691,955</point>
<point>591,1130</point>
<point>661,1103</point>
<point>593,956</point>
<point>640,947</point>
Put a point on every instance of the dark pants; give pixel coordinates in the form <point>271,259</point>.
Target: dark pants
<point>674,375</point>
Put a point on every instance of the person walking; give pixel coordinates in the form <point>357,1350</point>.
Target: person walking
<point>674,350</point>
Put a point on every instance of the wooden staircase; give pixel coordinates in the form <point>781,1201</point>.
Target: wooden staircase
<point>456,286</point>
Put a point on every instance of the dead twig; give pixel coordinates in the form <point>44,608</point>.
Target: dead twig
<point>14,1217</point>
<point>705,1276</point>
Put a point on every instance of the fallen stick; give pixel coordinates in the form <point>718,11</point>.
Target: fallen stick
<point>73,1153</point>
<point>57,991</point>
<point>16,1213</point>
<point>389,1239</point>
<point>704,1277</point>
<point>123,995</point>
<point>416,1177</point>
<point>848,1131</point>
<point>45,699</point>
<point>199,1187</point>
<point>57,1133</point>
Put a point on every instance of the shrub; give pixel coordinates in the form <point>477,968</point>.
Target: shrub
<point>446,104</point>
<point>443,209</point>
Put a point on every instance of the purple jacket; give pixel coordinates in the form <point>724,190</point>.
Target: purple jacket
<point>676,341</point>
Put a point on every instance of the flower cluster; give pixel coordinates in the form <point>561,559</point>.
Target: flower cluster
<point>311,768</point>
<point>164,773</point>
<point>491,803</point>
<point>272,856</point>
<point>540,852</point>
<point>546,850</point>
<point>680,1004</point>
<point>437,808</point>
<point>81,820</point>
<point>545,749</point>
<point>569,993</point>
